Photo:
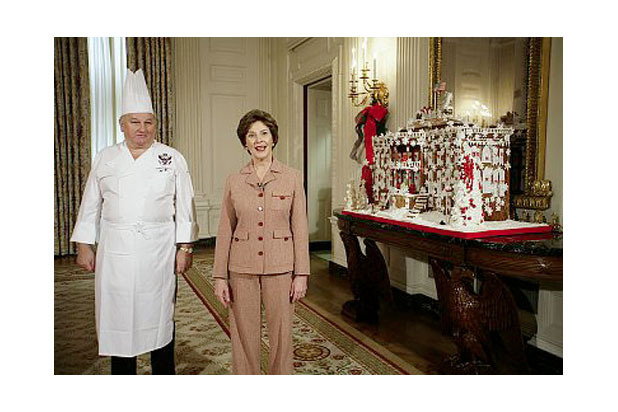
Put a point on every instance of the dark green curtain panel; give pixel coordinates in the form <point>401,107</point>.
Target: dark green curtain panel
<point>72,146</point>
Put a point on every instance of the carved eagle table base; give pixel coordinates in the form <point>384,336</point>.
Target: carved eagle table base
<point>478,310</point>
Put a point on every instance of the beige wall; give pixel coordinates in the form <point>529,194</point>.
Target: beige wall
<point>280,70</point>
<point>217,81</point>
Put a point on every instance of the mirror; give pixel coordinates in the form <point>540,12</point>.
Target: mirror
<point>501,80</point>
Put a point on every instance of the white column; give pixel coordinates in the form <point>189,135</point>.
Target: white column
<point>264,74</point>
<point>188,123</point>
<point>412,83</point>
<point>549,322</point>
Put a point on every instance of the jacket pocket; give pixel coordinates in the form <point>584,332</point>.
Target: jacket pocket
<point>281,200</point>
<point>162,184</point>
<point>282,253</point>
<point>240,249</point>
<point>285,234</point>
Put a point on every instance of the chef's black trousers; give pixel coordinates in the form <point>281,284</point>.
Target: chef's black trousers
<point>162,361</point>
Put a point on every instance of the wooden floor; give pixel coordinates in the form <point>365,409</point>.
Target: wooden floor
<point>408,331</point>
<point>412,335</point>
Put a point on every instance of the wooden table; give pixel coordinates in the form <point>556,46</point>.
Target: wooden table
<point>478,310</point>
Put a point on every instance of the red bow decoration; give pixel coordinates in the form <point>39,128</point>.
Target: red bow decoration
<point>367,123</point>
<point>370,116</point>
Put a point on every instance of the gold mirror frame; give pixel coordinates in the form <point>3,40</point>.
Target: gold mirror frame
<point>537,190</point>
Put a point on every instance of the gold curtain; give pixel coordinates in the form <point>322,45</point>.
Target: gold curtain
<point>71,136</point>
<point>154,56</point>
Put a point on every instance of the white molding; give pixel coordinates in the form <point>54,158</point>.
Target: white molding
<point>549,322</point>
<point>410,272</point>
<point>316,74</point>
<point>414,289</point>
<point>295,149</point>
<point>337,249</point>
<point>337,108</point>
<point>294,42</point>
<point>222,45</point>
<point>307,62</point>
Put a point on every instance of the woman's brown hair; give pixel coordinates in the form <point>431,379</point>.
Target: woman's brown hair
<point>253,116</point>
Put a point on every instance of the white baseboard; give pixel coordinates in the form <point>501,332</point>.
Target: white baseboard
<point>555,348</point>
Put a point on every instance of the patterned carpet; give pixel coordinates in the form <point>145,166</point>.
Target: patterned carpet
<point>201,345</point>
<point>322,346</point>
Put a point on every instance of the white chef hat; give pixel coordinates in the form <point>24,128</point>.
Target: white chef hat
<point>135,96</point>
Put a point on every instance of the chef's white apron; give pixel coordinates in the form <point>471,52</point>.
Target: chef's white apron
<point>135,280</point>
<point>135,287</point>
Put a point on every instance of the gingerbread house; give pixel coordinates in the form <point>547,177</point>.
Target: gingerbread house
<point>458,170</point>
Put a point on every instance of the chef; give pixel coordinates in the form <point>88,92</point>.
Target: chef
<point>138,208</point>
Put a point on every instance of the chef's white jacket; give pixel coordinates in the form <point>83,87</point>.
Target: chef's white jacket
<point>136,210</point>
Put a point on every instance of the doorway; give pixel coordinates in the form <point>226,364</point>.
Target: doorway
<point>317,153</point>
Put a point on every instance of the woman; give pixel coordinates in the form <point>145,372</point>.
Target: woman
<point>262,249</point>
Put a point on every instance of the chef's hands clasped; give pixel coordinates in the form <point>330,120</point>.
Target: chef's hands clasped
<point>86,259</point>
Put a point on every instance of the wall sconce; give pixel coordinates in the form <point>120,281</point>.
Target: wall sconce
<point>369,87</point>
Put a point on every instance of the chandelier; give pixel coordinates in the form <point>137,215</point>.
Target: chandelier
<point>362,87</point>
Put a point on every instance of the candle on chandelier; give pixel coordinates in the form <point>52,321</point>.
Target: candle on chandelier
<point>375,72</point>
<point>353,62</point>
<point>364,52</point>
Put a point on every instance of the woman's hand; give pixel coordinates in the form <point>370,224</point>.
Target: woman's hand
<point>222,291</point>
<point>299,288</point>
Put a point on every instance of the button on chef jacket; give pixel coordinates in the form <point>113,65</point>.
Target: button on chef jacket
<point>136,210</point>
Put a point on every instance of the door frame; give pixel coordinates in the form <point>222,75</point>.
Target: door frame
<point>306,123</point>
<point>298,108</point>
